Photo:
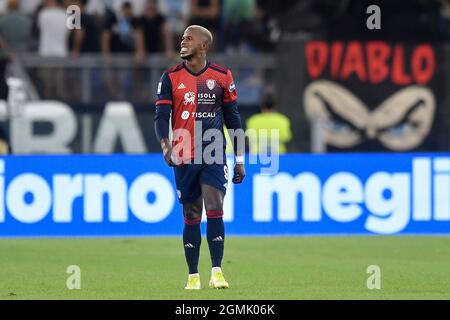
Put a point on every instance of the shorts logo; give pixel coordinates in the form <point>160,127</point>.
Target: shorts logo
<point>232,87</point>
<point>185,115</point>
<point>211,84</point>
<point>225,171</point>
<point>189,98</point>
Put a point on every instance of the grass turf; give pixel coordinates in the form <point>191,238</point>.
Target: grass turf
<point>256,268</point>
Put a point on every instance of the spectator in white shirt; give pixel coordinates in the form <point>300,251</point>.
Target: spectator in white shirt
<point>54,34</point>
<point>53,42</point>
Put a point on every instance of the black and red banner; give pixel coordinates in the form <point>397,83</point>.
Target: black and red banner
<point>376,95</point>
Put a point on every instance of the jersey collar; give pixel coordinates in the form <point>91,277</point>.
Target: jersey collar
<point>198,73</point>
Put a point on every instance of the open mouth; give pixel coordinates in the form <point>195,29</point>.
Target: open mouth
<point>184,50</point>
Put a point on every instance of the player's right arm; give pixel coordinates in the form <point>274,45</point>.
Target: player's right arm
<point>164,104</point>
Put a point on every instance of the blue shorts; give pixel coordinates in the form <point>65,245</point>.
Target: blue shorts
<point>190,177</point>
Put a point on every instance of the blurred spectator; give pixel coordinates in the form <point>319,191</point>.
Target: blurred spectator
<point>207,14</point>
<point>5,147</point>
<point>86,39</point>
<point>121,33</point>
<point>3,85</point>
<point>53,42</point>
<point>96,7</point>
<point>445,14</point>
<point>245,26</point>
<point>29,6</point>
<point>157,36</point>
<point>269,119</point>
<point>237,17</point>
<point>15,29</point>
<point>177,15</point>
<point>54,34</point>
<point>99,7</point>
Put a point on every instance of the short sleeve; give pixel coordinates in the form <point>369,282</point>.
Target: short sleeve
<point>230,94</point>
<point>164,91</point>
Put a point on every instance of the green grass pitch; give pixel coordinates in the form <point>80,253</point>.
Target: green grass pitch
<point>256,268</point>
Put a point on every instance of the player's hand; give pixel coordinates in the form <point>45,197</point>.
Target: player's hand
<point>166,147</point>
<point>239,173</point>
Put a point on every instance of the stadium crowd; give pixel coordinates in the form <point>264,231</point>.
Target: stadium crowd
<point>148,26</point>
<point>136,26</point>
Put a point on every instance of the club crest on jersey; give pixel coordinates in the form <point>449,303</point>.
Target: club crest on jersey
<point>211,84</point>
<point>189,98</point>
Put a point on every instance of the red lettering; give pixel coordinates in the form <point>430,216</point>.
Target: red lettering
<point>398,67</point>
<point>423,63</point>
<point>354,62</point>
<point>338,60</point>
<point>377,54</point>
<point>337,49</point>
<point>316,57</point>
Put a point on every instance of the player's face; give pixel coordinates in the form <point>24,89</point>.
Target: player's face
<point>191,44</point>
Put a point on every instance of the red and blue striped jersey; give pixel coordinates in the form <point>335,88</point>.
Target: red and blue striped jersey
<point>208,98</point>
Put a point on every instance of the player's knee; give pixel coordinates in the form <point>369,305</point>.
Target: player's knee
<point>192,215</point>
<point>214,206</point>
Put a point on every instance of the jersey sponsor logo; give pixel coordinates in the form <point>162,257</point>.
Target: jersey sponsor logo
<point>189,98</point>
<point>206,95</point>
<point>232,87</point>
<point>159,87</point>
<point>185,115</point>
<point>206,98</point>
<point>203,115</point>
<point>181,86</point>
<point>211,84</point>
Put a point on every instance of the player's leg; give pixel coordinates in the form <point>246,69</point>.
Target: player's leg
<point>215,230</point>
<point>214,179</point>
<point>189,193</point>
<point>191,234</point>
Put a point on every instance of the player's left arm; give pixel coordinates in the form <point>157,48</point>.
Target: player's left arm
<point>233,123</point>
<point>162,117</point>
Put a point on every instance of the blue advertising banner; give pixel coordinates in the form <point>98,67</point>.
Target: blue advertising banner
<point>303,195</point>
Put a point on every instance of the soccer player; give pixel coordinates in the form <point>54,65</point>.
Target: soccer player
<point>200,96</point>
